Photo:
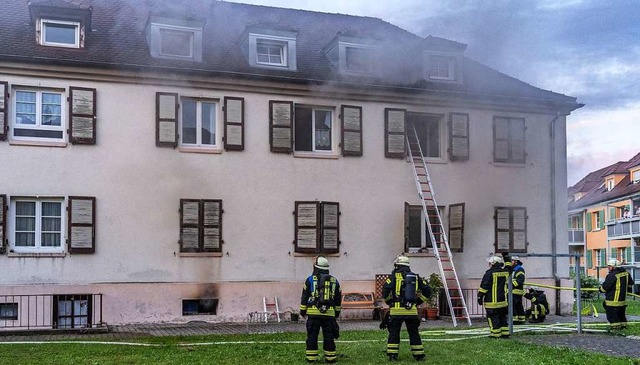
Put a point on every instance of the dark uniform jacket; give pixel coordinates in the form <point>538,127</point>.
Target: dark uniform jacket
<point>393,295</point>
<point>310,302</point>
<point>493,288</point>
<point>518,280</point>
<point>538,297</point>
<point>615,287</point>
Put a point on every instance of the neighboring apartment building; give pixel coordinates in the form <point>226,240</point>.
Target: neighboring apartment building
<point>194,157</point>
<point>604,217</point>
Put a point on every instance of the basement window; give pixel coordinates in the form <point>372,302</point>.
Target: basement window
<point>9,311</point>
<point>203,306</point>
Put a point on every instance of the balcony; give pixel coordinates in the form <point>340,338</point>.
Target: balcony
<point>576,237</point>
<point>624,228</point>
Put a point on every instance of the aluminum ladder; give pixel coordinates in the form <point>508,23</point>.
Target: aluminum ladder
<point>439,241</point>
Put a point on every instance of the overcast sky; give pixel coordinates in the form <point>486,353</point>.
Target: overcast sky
<point>589,49</point>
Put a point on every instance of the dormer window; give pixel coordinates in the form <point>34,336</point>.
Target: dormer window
<point>274,49</point>
<point>442,67</point>
<point>358,59</point>
<point>610,184</point>
<point>176,39</point>
<point>352,56</point>
<point>635,176</point>
<point>59,33</point>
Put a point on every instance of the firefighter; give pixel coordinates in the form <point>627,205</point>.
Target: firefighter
<point>518,290</point>
<point>404,291</point>
<point>493,295</point>
<point>539,305</point>
<point>321,303</point>
<point>615,287</point>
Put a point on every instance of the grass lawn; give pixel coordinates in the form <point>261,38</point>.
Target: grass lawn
<point>354,347</point>
<point>633,306</point>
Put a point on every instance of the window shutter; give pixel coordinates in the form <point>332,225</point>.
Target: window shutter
<point>516,134</point>
<point>3,224</point>
<point>351,130</point>
<point>589,222</point>
<point>459,137</point>
<point>4,108</point>
<point>500,139</point>
<point>502,229</point>
<point>603,257</point>
<point>627,256</point>
<point>456,227</point>
<point>233,124</point>
<point>189,225</point>
<point>212,225</point>
<point>600,219</point>
<point>166,119</point>
<point>589,259</point>
<point>281,126</point>
<point>330,227</point>
<point>82,115</point>
<point>394,133</point>
<point>407,226</point>
<point>307,225</point>
<point>519,223</point>
<point>82,224</point>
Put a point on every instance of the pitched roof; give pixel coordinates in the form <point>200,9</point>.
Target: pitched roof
<point>118,40</point>
<point>595,190</point>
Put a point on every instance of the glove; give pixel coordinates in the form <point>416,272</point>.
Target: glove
<point>303,313</point>
<point>337,314</point>
<point>480,301</point>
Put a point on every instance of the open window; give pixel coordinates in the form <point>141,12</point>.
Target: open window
<point>430,131</point>
<point>416,232</point>
<point>305,129</point>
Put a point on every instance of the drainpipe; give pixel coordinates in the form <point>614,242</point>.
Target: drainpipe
<point>554,250</point>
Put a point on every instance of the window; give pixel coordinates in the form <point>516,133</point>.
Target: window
<point>271,49</point>
<point>511,229</point>
<point>509,140</point>
<point>417,237</point>
<point>39,115</point>
<point>177,39</point>
<point>205,306</point>
<point>271,53</point>
<point>610,184</point>
<point>37,225</point>
<point>575,222</point>
<point>59,33</point>
<point>313,129</point>
<point>200,225</point>
<point>198,123</point>
<point>429,129</point>
<point>358,59</point>
<point>599,215</point>
<point>9,311</point>
<point>72,311</point>
<point>599,257</point>
<point>317,227</point>
<point>635,176</point>
<point>441,67</point>
<point>353,56</point>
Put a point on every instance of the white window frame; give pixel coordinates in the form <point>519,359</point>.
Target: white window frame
<point>610,184</point>
<point>158,25</point>
<point>450,69</point>
<point>288,44</point>
<point>598,256</point>
<point>333,132</point>
<point>43,33</point>
<point>424,247</point>
<point>635,176</point>
<point>217,124</point>
<point>454,67</point>
<point>281,45</point>
<point>38,126</point>
<point>175,29</point>
<point>38,226</point>
<point>442,131</point>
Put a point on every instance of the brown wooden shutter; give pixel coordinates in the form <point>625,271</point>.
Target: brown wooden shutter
<point>330,227</point>
<point>82,224</point>
<point>307,226</point>
<point>456,227</point>
<point>519,231</point>
<point>511,229</point>
<point>502,229</point>
<point>458,137</point>
<point>212,226</point>
<point>517,136</point>
<point>4,109</point>
<point>394,133</point>
<point>189,225</point>
<point>233,124</point>
<point>82,115</point>
<point>501,139</point>
<point>351,130</point>
<point>166,119</point>
<point>281,126</point>
<point>3,224</point>
<point>509,140</point>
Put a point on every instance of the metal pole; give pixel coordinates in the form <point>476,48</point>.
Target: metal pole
<point>578,295</point>
<point>510,302</point>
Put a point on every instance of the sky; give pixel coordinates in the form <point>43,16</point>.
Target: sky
<point>589,49</point>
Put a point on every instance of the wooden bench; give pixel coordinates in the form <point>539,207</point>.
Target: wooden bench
<point>358,301</point>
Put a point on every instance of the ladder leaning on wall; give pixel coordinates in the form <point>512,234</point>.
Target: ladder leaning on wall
<point>439,241</point>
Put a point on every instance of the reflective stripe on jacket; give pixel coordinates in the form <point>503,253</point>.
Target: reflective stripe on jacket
<point>333,296</point>
<point>615,287</point>
<point>393,296</point>
<point>493,287</point>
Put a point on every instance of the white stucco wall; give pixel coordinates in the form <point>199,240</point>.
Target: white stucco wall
<point>138,187</point>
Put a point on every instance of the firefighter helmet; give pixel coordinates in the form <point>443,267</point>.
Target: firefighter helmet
<point>321,263</point>
<point>402,260</point>
<point>515,258</point>
<point>496,260</point>
<point>614,263</point>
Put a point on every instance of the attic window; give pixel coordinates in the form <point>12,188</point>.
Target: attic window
<point>271,52</point>
<point>635,176</point>
<point>175,39</point>
<point>60,26</point>
<point>443,67</point>
<point>610,184</point>
<point>59,33</point>
<point>271,49</point>
<point>352,56</point>
<point>358,59</point>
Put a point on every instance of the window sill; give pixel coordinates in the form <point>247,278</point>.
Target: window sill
<point>315,155</point>
<point>430,160</point>
<point>200,150</point>
<point>420,254</point>
<point>508,164</point>
<point>200,254</point>
<point>301,254</point>
<point>36,254</point>
<point>37,143</point>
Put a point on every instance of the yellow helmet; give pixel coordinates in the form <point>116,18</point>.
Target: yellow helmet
<point>321,263</point>
<point>402,260</point>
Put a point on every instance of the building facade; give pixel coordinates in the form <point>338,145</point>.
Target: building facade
<point>195,158</point>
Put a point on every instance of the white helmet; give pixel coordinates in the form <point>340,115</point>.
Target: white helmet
<point>321,263</point>
<point>496,260</point>
<point>402,260</point>
<point>515,258</point>
<point>614,263</point>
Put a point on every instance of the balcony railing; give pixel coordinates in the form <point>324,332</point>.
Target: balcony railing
<point>576,236</point>
<point>624,228</point>
<point>51,312</point>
